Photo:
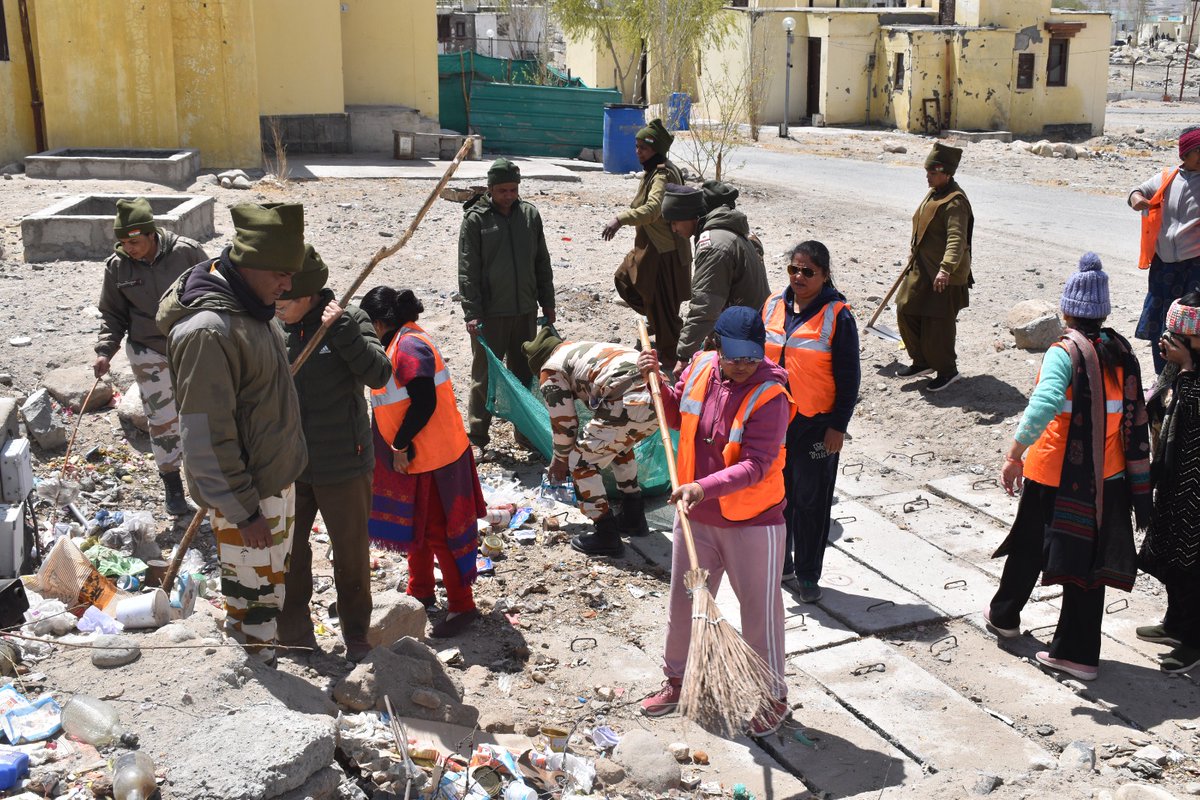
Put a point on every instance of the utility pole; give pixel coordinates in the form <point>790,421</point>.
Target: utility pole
<point>1187,54</point>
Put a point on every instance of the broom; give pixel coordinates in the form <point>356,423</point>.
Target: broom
<point>384,252</point>
<point>725,683</point>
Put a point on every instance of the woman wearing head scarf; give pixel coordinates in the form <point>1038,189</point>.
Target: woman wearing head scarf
<point>812,334</point>
<point>1171,549</point>
<point>427,497</point>
<point>1085,439</point>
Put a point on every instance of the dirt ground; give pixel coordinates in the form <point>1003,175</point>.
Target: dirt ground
<point>555,618</point>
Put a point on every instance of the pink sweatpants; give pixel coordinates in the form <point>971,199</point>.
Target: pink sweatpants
<point>752,557</point>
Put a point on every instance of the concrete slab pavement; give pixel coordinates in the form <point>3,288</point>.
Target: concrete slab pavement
<point>982,493</point>
<point>868,602</point>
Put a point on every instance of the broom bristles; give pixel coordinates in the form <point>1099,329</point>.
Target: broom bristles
<point>725,683</point>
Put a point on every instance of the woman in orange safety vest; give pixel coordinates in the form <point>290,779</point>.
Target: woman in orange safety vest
<point>813,335</point>
<point>426,495</point>
<point>1085,438</point>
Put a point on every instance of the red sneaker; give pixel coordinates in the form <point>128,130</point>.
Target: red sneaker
<point>664,701</point>
<point>768,720</point>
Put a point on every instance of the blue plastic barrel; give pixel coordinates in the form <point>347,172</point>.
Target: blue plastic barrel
<point>621,124</point>
<point>679,110</point>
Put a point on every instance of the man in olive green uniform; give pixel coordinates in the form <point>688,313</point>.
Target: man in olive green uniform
<point>341,460</point>
<point>238,413</point>
<point>145,262</point>
<point>503,276</point>
<point>937,283</point>
<point>655,276</point>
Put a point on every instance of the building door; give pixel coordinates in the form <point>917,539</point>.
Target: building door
<point>813,77</point>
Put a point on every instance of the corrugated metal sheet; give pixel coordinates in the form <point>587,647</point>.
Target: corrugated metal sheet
<point>539,120</point>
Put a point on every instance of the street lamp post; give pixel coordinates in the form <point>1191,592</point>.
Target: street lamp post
<point>491,35</point>
<point>789,25</point>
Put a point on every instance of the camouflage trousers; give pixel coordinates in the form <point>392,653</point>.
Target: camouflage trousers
<point>252,579</point>
<point>153,376</point>
<point>608,440</point>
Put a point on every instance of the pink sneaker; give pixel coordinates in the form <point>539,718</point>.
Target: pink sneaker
<point>768,720</point>
<point>1081,671</point>
<point>664,701</point>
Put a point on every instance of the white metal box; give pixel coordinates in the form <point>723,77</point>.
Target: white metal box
<point>12,540</point>
<point>16,471</point>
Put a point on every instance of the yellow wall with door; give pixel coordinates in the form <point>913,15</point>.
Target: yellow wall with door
<point>389,53</point>
<point>847,56</point>
<point>16,117</point>
<point>216,101</point>
<point>591,61</point>
<point>982,74</point>
<point>107,72</point>
<point>298,49</point>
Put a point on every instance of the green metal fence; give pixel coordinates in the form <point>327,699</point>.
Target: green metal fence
<point>539,120</point>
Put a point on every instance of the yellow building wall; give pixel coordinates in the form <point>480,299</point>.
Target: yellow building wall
<point>16,116</point>
<point>723,71</point>
<point>216,103</point>
<point>1001,13</point>
<point>298,50</point>
<point>106,96</point>
<point>983,71</point>
<point>389,53</point>
<point>593,63</point>
<point>847,53</point>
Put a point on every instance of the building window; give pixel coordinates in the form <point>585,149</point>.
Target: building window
<point>3,35</point>
<point>1056,64</point>
<point>1025,71</point>
<point>460,29</point>
<point>898,72</point>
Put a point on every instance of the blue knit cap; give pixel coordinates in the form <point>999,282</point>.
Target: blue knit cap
<point>1086,293</point>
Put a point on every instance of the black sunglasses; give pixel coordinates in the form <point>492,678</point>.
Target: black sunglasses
<point>807,272</point>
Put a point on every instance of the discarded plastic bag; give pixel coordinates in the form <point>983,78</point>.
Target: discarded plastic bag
<point>113,564</point>
<point>49,618</point>
<point>67,575</point>
<point>24,722</point>
<point>94,619</point>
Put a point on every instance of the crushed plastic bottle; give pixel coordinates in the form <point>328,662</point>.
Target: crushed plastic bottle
<point>133,776</point>
<point>95,722</point>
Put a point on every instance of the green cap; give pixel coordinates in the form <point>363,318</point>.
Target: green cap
<point>539,350</point>
<point>311,278</point>
<point>657,136</point>
<point>134,218</point>
<point>682,203</point>
<point>268,236</point>
<point>944,156</point>
<point>503,171</point>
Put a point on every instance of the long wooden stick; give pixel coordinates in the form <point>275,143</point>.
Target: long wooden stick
<point>887,297</point>
<point>78,419</point>
<point>194,525</point>
<point>668,447</point>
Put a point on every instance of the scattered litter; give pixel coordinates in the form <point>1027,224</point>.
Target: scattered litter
<point>94,619</point>
<point>23,721</point>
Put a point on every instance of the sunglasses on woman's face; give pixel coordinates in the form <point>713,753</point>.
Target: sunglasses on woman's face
<point>807,272</point>
<point>745,361</point>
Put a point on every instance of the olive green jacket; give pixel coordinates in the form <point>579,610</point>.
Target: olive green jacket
<point>941,240</point>
<point>646,209</point>
<point>503,262</point>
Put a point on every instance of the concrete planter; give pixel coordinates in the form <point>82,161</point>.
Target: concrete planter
<point>177,168</point>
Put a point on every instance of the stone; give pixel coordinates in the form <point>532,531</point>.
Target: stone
<point>647,763</point>
<point>240,182</point>
<point>427,698</point>
<point>496,720</point>
<point>42,421</point>
<point>176,633</point>
<point>608,772</point>
<point>1045,730</point>
<point>111,651</point>
<point>286,748</point>
<point>895,148</point>
<point>1142,791</point>
<point>410,675</point>
<point>1034,324</point>
<point>1065,149</point>
<point>982,783</point>
<point>208,180</point>
<point>226,183</point>
<point>1077,756</point>
<point>395,615</point>
<point>20,341</point>
<point>1191,788</point>
<point>680,752</point>
<point>1043,149</point>
<point>70,387</point>
<point>1152,753</point>
<point>130,410</point>
<point>231,174</point>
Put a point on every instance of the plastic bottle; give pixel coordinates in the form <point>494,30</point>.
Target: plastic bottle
<point>95,722</point>
<point>133,776</point>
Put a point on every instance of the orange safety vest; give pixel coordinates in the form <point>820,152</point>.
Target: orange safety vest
<point>751,501</point>
<point>1044,460</point>
<point>443,439</point>
<point>1152,220</point>
<point>807,354</point>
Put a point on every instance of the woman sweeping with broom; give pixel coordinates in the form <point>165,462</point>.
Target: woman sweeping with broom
<point>732,410</point>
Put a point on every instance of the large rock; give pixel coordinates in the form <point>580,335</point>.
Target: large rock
<point>410,675</point>
<point>1077,757</point>
<point>646,762</point>
<point>1065,149</point>
<point>70,386</point>
<point>1142,791</point>
<point>111,651</point>
<point>42,421</point>
<point>1043,148</point>
<point>259,751</point>
<point>394,616</point>
<point>130,409</point>
<point>1034,324</point>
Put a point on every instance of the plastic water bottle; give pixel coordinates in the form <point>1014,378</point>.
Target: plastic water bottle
<point>133,776</point>
<point>95,722</point>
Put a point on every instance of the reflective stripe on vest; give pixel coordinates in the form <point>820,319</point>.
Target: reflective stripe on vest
<point>753,500</point>
<point>1110,407</point>
<point>443,439</point>
<point>807,354</point>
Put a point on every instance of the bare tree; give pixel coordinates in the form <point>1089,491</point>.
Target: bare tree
<point>616,25</point>
<point>680,30</point>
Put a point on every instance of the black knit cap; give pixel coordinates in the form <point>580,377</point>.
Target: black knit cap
<point>682,203</point>
<point>717,194</point>
<point>503,171</point>
<point>657,136</point>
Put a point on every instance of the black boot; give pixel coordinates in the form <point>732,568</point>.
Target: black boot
<point>606,541</point>
<point>633,515</point>
<point>177,504</point>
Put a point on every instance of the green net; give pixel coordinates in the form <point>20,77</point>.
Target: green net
<point>509,399</point>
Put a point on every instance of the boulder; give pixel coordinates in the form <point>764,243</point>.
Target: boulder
<point>410,675</point>
<point>608,772</point>
<point>1034,324</point>
<point>1043,148</point>
<point>1152,753</point>
<point>240,182</point>
<point>647,763</point>
<point>395,615</point>
<point>130,410</point>
<point>982,783</point>
<point>1078,757</point>
<point>43,422</point>
<point>1065,149</point>
<point>894,148</point>
<point>1142,791</point>
<point>115,651</point>
<point>70,387</point>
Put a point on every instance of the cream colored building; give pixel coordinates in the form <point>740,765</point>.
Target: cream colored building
<point>206,73</point>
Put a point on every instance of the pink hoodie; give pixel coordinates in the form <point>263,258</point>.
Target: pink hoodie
<point>761,440</point>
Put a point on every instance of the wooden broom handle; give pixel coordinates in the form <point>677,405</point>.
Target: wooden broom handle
<point>883,303</point>
<point>668,449</point>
